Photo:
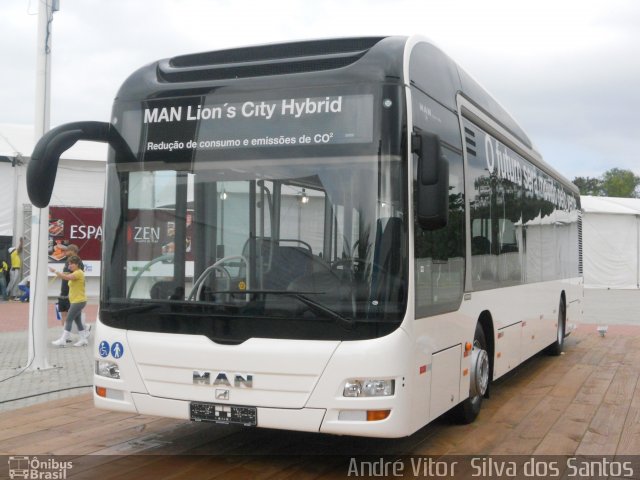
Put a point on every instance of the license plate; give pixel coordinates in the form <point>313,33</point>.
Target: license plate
<point>226,414</point>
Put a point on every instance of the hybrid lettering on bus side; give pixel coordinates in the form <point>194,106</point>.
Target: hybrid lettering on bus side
<point>293,107</point>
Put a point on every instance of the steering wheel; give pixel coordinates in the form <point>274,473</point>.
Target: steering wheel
<point>199,284</point>
<point>168,257</point>
<point>212,268</point>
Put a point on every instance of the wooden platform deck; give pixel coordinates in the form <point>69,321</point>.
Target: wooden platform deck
<point>585,402</point>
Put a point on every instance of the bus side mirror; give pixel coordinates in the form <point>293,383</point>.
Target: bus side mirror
<point>41,172</point>
<point>432,192</point>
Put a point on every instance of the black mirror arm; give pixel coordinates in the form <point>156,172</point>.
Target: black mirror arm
<point>43,165</point>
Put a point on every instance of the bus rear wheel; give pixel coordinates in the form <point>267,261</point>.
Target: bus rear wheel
<point>468,410</point>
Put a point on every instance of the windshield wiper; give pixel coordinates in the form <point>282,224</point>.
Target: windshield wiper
<point>302,297</point>
<point>320,308</point>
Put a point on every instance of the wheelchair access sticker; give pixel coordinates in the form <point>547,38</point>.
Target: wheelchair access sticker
<point>116,350</point>
<point>103,349</point>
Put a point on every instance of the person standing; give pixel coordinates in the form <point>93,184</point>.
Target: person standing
<point>25,288</point>
<point>77,301</point>
<point>16,266</point>
<point>63,298</point>
<point>4,271</point>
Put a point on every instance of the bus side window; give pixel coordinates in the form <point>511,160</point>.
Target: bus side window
<point>497,227</point>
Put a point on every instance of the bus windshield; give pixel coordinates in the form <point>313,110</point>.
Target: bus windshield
<point>265,241</point>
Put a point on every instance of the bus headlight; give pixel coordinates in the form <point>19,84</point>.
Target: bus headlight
<point>108,369</point>
<point>369,388</point>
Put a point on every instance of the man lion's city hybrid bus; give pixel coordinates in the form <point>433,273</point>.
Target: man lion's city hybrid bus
<point>346,236</point>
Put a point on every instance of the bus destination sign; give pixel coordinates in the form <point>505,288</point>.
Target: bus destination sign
<point>207,123</point>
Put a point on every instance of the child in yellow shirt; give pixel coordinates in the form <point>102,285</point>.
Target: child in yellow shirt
<point>77,299</point>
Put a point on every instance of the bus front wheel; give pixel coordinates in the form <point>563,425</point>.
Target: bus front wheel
<point>468,410</point>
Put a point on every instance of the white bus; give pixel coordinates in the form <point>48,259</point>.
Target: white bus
<point>346,236</point>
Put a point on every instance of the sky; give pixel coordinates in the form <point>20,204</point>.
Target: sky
<point>567,70</point>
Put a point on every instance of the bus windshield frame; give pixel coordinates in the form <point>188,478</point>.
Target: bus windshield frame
<point>305,238</point>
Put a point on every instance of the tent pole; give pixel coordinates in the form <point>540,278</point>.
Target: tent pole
<point>637,251</point>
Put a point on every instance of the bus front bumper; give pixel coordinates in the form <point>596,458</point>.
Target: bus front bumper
<point>301,419</point>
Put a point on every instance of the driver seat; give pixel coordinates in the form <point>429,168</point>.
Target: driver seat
<point>288,263</point>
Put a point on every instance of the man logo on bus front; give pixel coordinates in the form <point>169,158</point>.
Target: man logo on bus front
<point>221,379</point>
<point>222,394</point>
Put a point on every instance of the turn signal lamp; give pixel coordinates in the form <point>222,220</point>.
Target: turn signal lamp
<point>109,393</point>
<point>363,415</point>
<point>376,415</point>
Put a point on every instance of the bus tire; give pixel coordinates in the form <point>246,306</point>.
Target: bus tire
<point>556,347</point>
<point>467,411</point>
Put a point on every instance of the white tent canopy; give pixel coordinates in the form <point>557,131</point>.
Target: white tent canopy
<point>80,179</point>
<point>611,242</point>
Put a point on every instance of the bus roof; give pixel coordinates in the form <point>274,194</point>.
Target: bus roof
<point>374,58</point>
<point>324,61</point>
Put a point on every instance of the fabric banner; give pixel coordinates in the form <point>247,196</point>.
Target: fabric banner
<point>75,225</point>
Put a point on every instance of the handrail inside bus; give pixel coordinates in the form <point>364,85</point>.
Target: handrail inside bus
<point>198,285</point>
<point>162,258</point>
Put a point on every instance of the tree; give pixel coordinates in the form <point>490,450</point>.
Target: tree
<point>615,182</point>
<point>589,185</point>
<point>620,183</point>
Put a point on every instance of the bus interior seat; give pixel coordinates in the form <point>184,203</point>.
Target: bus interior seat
<point>326,283</point>
<point>288,263</point>
<point>282,264</point>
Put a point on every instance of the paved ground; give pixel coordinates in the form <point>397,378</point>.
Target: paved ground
<point>20,386</point>
<point>73,366</point>
<point>612,307</point>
